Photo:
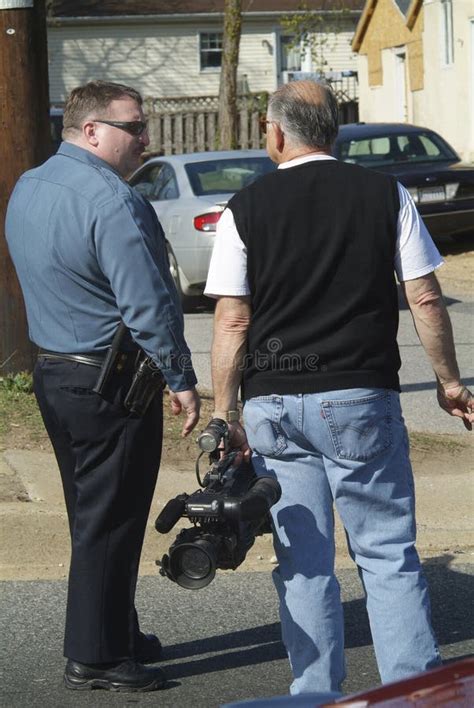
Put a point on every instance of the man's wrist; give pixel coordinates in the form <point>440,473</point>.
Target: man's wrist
<point>230,416</point>
<point>447,384</point>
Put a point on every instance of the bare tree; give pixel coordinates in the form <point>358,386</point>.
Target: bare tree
<point>317,32</point>
<point>227,117</point>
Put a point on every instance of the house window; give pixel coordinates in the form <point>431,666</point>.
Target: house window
<point>210,50</point>
<point>448,38</point>
<point>290,54</point>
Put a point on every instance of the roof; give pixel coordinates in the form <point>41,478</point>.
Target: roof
<point>361,130</point>
<point>130,8</point>
<point>409,8</point>
<point>403,5</point>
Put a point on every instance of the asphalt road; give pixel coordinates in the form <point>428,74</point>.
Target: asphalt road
<point>419,403</point>
<point>222,642</point>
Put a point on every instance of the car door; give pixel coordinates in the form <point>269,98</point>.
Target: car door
<point>157,182</point>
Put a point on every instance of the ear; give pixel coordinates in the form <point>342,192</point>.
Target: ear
<point>279,137</point>
<point>89,132</point>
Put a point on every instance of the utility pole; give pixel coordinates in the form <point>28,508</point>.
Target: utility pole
<point>25,142</point>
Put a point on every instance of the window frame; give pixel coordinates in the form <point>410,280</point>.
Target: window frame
<point>447,30</point>
<point>212,50</point>
<point>286,39</point>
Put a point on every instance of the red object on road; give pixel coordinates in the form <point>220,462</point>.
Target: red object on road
<point>451,685</point>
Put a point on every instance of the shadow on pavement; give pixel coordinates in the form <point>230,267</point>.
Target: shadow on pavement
<point>251,656</point>
<point>209,659</point>
<point>430,385</point>
<point>452,595</point>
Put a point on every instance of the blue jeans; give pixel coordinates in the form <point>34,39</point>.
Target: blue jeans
<point>349,449</point>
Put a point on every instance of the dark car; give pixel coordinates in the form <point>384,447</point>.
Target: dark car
<point>440,184</point>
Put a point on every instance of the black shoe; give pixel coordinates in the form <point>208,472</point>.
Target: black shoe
<point>129,675</point>
<point>148,649</point>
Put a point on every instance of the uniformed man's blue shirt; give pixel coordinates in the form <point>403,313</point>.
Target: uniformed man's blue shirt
<point>89,251</point>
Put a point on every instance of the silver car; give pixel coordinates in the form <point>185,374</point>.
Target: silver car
<point>189,193</point>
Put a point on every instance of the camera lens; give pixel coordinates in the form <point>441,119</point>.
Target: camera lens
<point>193,565</point>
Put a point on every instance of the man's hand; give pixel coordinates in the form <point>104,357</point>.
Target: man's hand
<point>457,400</point>
<point>238,441</point>
<point>190,402</point>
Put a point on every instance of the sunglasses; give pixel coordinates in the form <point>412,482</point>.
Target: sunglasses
<point>263,122</point>
<point>133,127</point>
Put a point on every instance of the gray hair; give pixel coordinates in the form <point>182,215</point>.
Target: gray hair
<point>307,112</point>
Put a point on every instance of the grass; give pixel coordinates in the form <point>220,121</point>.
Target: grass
<point>21,425</point>
<point>20,418</point>
<point>435,443</point>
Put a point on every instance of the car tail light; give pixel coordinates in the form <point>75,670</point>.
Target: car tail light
<point>207,222</point>
<point>451,190</point>
<point>413,191</point>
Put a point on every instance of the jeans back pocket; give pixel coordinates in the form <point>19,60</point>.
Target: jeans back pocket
<point>262,416</point>
<point>360,428</point>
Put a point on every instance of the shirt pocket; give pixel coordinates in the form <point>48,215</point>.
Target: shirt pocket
<point>360,428</point>
<point>262,416</point>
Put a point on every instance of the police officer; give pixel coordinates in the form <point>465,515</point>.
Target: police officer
<point>90,256</point>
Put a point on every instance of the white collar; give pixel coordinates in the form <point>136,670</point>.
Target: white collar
<point>304,158</point>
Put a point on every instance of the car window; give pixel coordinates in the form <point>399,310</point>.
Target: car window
<point>430,147</point>
<point>144,181</point>
<point>156,182</point>
<point>166,186</point>
<point>224,176</point>
<point>394,148</point>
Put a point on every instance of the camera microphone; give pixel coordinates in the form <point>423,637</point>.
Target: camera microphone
<point>171,513</point>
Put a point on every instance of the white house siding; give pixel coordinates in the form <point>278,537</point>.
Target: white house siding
<point>446,103</point>
<point>163,59</point>
<point>336,51</point>
<point>155,60</point>
<point>257,59</point>
<point>448,96</point>
<point>373,100</point>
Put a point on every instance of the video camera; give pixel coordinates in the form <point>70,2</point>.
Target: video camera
<point>227,515</point>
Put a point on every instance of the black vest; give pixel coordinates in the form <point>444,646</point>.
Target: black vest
<point>320,241</point>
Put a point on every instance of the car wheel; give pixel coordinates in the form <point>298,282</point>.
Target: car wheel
<point>186,300</point>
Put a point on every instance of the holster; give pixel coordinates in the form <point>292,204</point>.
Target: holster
<point>147,379</point>
<point>147,382</point>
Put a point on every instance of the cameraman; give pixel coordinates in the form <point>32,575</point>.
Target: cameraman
<point>303,269</point>
<point>90,253</point>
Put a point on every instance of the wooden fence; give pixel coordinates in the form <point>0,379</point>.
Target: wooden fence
<point>177,126</point>
<point>183,125</point>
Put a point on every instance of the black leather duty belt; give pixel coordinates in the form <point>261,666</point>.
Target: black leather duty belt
<point>125,359</point>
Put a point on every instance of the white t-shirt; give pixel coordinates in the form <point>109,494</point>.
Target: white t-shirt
<point>415,254</point>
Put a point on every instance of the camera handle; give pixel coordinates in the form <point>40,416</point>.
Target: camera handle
<point>198,474</point>
<point>219,466</point>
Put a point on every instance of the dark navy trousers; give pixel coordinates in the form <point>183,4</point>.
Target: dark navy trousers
<point>109,465</point>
